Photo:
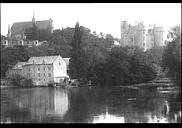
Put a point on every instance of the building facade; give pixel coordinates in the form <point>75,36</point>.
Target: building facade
<point>142,36</point>
<point>16,33</point>
<point>16,70</point>
<point>43,70</point>
<point>132,35</point>
<point>154,36</point>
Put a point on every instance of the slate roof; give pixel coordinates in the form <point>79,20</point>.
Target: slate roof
<point>45,59</point>
<point>19,65</point>
<point>43,24</point>
<point>20,27</point>
<point>40,59</point>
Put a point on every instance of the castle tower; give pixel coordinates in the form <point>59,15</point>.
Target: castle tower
<point>158,35</point>
<point>50,25</point>
<point>139,36</point>
<point>124,29</point>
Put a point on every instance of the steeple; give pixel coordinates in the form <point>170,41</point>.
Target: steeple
<point>33,19</point>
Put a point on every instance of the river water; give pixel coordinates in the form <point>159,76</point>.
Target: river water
<point>89,105</point>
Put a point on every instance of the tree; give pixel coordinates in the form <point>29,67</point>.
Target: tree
<point>10,56</point>
<point>44,34</point>
<point>171,59</point>
<point>154,55</point>
<point>123,66</point>
<point>32,33</point>
<point>77,54</point>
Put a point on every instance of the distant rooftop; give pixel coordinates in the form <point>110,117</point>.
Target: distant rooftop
<point>45,60</point>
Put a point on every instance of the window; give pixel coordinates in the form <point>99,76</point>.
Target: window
<point>39,79</point>
<point>44,74</point>
<point>49,68</point>
<point>44,68</point>
<point>29,69</point>
<point>38,69</point>
<point>44,79</point>
<point>39,74</point>
<point>49,74</point>
<point>59,63</point>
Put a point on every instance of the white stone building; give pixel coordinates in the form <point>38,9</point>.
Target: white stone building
<point>44,70</point>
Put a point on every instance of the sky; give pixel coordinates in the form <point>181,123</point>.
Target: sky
<point>99,17</point>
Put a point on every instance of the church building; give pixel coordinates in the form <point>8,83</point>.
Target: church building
<point>16,33</point>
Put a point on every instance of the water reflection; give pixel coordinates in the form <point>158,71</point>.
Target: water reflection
<point>90,105</point>
<point>33,105</point>
<point>108,118</point>
<point>61,102</point>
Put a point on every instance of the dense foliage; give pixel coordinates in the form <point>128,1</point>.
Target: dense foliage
<point>154,55</point>
<point>123,66</point>
<point>93,57</point>
<point>171,59</point>
<point>77,62</point>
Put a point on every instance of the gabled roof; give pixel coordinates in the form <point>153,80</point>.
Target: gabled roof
<point>66,60</point>
<point>42,24</point>
<point>41,59</point>
<point>19,65</point>
<point>20,27</point>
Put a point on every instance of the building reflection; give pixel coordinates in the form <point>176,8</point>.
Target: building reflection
<point>89,105</point>
<point>108,118</point>
<point>37,104</point>
<point>61,102</point>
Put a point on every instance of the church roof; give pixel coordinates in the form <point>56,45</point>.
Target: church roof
<point>42,24</point>
<point>20,27</point>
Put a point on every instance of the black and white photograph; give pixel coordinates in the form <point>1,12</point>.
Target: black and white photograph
<point>90,63</point>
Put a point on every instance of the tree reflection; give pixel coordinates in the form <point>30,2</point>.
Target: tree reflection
<point>89,104</point>
<point>35,105</point>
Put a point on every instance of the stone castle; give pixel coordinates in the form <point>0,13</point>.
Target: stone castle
<point>140,35</point>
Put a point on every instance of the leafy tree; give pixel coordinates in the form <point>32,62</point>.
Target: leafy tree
<point>123,66</point>
<point>171,59</point>
<point>154,55</point>
<point>10,56</point>
<point>77,60</point>
<point>44,34</point>
<point>32,33</point>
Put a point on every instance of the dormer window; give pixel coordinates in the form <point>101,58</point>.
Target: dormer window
<point>59,63</point>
